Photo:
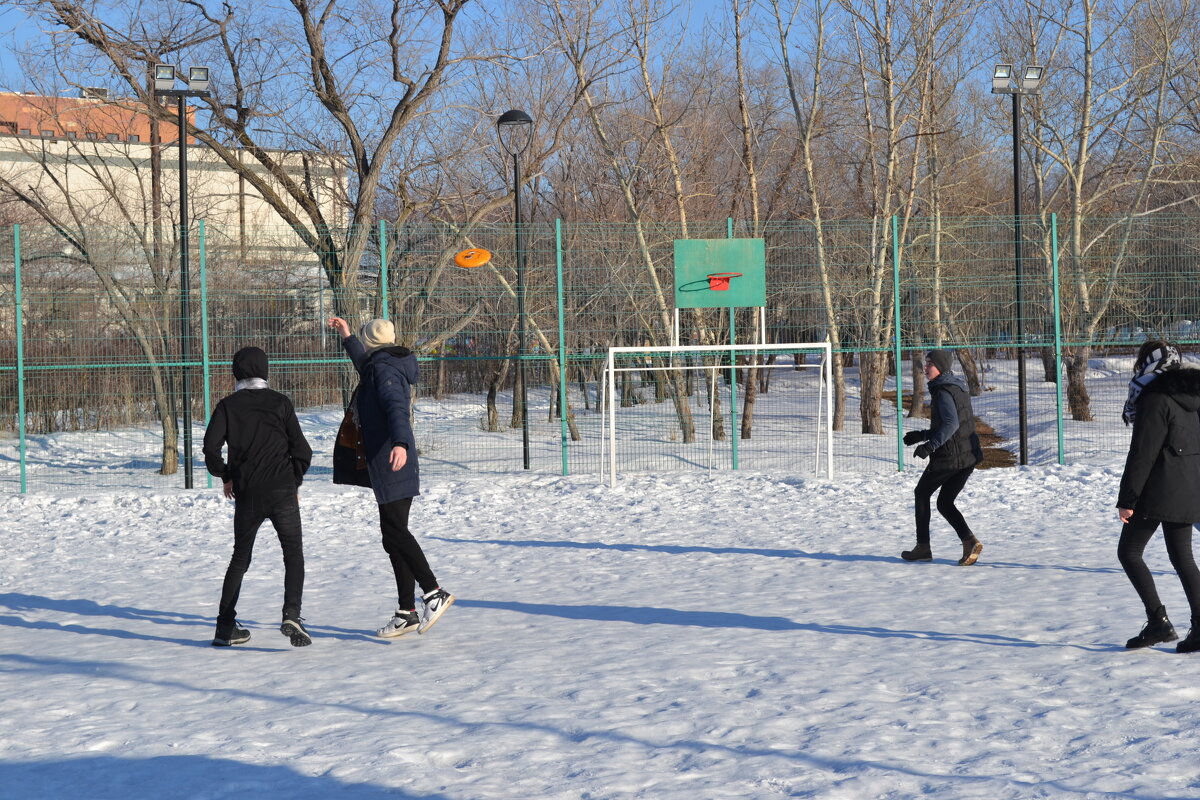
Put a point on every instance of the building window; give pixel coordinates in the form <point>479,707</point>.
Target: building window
<point>8,127</point>
<point>25,131</point>
<point>47,134</point>
<point>72,134</point>
<point>112,137</point>
<point>134,138</point>
<point>92,135</point>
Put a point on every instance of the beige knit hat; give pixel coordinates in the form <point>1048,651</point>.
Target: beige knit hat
<point>377,333</point>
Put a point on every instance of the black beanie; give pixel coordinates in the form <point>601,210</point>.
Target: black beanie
<point>250,362</point>
<point>942,359</point>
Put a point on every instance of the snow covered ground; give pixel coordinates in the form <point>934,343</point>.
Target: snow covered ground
<point>685,635</point>
<point>752,636</point>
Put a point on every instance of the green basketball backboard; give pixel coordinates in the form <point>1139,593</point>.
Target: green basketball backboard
<point>697,259</point>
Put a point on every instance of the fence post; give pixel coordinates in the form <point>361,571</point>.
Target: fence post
<point>20,324</point>
<point>1058,370</point>
<point>562,346</point>
<point>896,345</point>
<point>205,364</point>
<point>383,271</point>
<point>733,423</point>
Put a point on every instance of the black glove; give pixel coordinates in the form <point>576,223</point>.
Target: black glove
<point>912,437</point>
<point>923,450</point>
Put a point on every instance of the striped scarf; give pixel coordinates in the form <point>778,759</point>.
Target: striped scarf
<point>1154,364</point>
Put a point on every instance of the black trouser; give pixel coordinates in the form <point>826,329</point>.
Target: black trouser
<point>1178,535</point>
<point>408,560</point>
<point>283,509</point>
<point>951,482</point>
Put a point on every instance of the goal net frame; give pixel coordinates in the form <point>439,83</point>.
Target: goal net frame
<point>824,395</point>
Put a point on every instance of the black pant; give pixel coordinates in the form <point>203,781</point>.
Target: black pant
<point>408,560</point>
<point>951,482</point>
<point>1178,535</point>
<point>283,509</point>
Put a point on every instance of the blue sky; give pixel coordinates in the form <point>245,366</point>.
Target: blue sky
<point>16,28</point>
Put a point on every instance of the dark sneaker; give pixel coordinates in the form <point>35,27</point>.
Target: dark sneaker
<point>919,553</point>
<point>1158,629</point>
<point>436,603</point>
<point>402,622</point>
<point>294,630</point>
<point>228,635</point>
<point>1192,643</point>
<point>971,549</point>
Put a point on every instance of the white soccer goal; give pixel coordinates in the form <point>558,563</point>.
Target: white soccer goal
<point>800,421</point>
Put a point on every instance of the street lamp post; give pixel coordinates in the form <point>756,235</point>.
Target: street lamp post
<point>1005,82</point>
<point>197,86</point>
<point>515,131</point>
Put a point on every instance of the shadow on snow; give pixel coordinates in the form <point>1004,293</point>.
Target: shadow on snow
<point>179,777</point>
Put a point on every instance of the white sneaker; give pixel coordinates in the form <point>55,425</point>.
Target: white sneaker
<point>401,623</point>
<point>436,603</point>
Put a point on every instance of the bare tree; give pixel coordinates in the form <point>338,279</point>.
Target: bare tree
<point>1106,126</point>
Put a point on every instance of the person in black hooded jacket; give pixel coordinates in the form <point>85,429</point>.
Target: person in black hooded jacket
<point>387,372</point>
<point>1161,485</point>
<point>953,450</point>
<point>268,456</point>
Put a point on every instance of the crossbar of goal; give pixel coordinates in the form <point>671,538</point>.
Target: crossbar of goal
<point>824,397</point>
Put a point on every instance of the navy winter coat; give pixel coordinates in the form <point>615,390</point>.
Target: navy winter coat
<point>1162,471</point>
<point>384,405</point>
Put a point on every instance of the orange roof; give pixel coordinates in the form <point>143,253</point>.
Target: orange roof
<point>81,118</point>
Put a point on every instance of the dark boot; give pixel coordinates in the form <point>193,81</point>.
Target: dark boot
<point>919,553</point>
<point>1192,643</point>
<point>1157,629</point>
<point>230,634</point>
<point>972,547</point>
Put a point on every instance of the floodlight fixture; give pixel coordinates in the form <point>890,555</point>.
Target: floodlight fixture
<point>197,79</point>
<point>164,77</point>
<point>1002,79</point>
<point>1032,79</point>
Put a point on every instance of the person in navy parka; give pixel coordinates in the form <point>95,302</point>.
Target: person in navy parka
<point>387,373</point>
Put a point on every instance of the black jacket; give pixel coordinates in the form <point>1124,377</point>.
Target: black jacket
<point>1162,471</point>
<point>267,450</point>
<point>952,424</point>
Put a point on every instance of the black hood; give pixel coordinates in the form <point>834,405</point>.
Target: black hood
<point>1183,385</point>
<point>250,362</point>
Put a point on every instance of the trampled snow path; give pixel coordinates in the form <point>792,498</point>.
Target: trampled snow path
<point>679,637</point>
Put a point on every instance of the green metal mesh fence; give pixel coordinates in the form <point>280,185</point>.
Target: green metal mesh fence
<point>98,367</point>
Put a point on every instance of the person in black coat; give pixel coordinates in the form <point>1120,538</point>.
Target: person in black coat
<point>1161,485</point>
<point>953,450</point>
<point>387,373</point>
<point>268,456</point>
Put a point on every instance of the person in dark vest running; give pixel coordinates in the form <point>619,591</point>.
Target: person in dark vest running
<point>953,450</point>
<point>1161,485</point>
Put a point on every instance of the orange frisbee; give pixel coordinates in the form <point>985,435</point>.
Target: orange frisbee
<point>470,259</point>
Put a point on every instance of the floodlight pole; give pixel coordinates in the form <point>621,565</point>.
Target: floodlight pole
<point>1004,81</point>
<point>185,289</point>
<point>185,285</point>
<point>1022,407</point>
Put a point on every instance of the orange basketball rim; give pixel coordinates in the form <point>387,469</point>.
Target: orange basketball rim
<point>475,257</point>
